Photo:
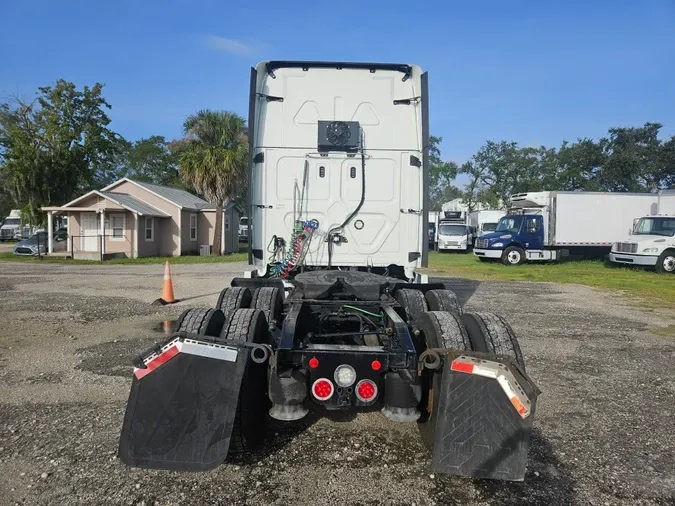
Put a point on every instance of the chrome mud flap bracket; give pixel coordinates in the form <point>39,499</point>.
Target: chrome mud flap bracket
<point>182,404</point>
<point>487,407</point>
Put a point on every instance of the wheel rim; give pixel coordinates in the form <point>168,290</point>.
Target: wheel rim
<point>513,257</point>
<point>669,263</point>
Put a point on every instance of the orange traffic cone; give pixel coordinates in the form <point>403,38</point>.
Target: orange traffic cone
<point>167,289</point>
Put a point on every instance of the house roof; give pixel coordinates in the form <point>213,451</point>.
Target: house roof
<point>180,198</point>
<point>122,199</point>
<point>133,204</point>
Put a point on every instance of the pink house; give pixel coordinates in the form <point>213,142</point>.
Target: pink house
<point>138,219</point>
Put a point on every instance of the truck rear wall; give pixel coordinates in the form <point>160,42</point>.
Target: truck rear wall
<point>596,219</point>
<point>391,224</point>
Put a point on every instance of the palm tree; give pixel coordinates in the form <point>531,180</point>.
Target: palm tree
<point>213,158</point>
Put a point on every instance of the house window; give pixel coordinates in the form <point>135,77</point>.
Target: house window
<point>227,222</point>
<point>117,227</point>
<point>193,227</point>
<point>149,229</point>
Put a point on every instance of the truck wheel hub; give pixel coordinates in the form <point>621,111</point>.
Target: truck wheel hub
<point>669,263</point>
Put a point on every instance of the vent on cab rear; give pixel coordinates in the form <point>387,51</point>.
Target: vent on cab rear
<point>339,136</point>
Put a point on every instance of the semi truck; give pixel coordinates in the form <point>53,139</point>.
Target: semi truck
<point>333,313</point>
<point>11,226</point>
<point>544,226</point>
<point>651,243</point>
<point>484,221</point>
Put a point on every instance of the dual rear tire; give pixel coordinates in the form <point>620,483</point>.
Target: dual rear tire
<point>234,320</point>
<point>486,332</point>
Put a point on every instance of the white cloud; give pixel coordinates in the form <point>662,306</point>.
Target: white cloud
<point>233,46</point>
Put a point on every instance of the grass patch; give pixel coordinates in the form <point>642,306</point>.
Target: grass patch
<point>235,257</point>
<point>668,331</point>
<point>652,290</point>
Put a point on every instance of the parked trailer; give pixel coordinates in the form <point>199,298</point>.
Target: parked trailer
<point>332,315</point>
<point>544,226</point>
<point>652,240</point>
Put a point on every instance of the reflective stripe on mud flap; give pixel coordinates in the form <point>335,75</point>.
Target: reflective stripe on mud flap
<point>504,377</point>
<point>189,346</point>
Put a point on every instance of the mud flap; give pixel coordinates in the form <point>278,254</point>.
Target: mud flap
<point>485,417</point>
<point>182,406</point>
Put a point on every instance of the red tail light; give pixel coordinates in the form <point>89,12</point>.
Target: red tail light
<point>366,390</point>
<point>323,389</point>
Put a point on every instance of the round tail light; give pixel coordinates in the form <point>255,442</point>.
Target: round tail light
<point>366,390</point>
<point>323,389</point>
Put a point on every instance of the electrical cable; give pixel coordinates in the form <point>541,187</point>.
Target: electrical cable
<point>355,212</point>
<point>380,315</point>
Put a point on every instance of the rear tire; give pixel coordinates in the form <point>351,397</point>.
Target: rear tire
<point>270,301</point>
<point>413,304</point>
<point>513,255</point>
<point>666,262</point>
<point>490,333</point>
<point>443,300</point>
<point>205,322</point>
<point>439,329</point>
<point>250,419</point>
<point>233,298</point>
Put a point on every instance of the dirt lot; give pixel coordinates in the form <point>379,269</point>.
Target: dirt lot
<point>603,433</point>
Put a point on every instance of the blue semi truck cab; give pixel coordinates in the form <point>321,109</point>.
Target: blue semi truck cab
<point>518,237</point>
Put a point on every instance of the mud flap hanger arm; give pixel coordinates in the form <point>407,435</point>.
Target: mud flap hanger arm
<point>259,352</point>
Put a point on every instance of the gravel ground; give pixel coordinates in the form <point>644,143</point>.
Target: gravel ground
<point>603,433</point>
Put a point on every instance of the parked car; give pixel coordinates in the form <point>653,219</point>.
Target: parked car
<point>30,246</point>
<point>243,229</point>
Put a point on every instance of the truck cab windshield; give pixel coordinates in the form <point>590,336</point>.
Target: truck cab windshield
<point>452,230</point>
<point>509,224</point>
<point>656,226</point>
<point>489,227</point>
<point>12,221</point>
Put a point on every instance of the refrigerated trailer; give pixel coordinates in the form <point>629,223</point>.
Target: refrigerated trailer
<point>544,226</point>
<point>332,314</point>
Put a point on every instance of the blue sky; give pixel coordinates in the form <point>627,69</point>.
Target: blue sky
<point>536,72</point>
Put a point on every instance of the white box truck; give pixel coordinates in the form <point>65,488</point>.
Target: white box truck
<point>543,226</point>
<point>11,226</point>
<point>485,221</point>
<point>652,240</point>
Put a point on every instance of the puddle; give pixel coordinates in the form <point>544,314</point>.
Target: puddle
<point>165,327</point>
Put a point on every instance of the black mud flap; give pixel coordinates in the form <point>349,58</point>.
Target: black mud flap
<point>486,411</point>
<point>182,406</point>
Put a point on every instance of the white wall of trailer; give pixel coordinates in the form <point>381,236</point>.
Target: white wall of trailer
<point>596,219</point>
<point>286,133</point>
<point>666,202</point>
<point>477,218</point>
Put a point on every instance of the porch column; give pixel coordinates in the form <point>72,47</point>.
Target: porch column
<point>134,253</point>
<point>102,233</point>
<point>50,232</point>
<point>69,216</point>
